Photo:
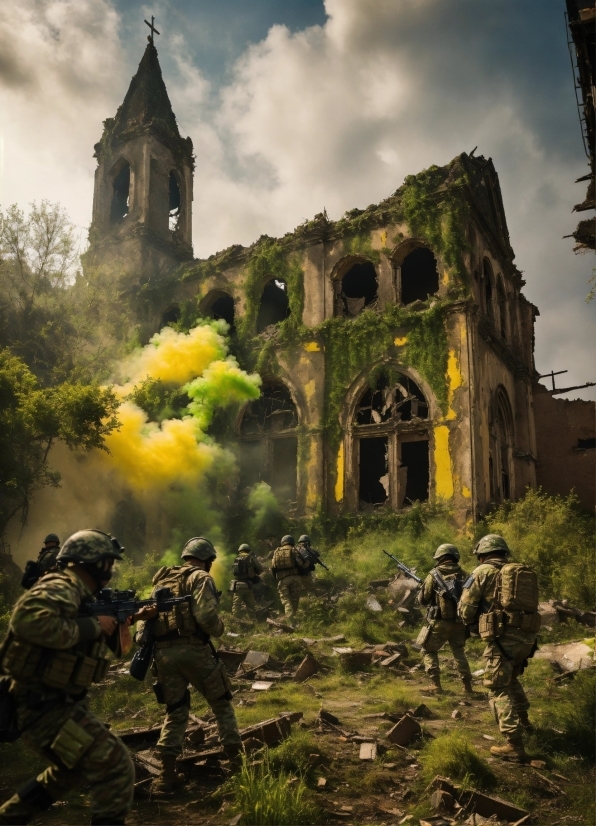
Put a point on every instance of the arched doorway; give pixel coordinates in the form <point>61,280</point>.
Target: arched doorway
<point>502,438</point>
<point>274,306</point>
<point>390,443</point>
<point>269,441</point>
<point>219,304</point>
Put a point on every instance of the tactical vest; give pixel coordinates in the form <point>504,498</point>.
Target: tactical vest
<point>73,669</point>
<point>178,621</point>
<point>243,568</point>
<point>515,602</point>
<point>284,562</point>
<point>447,603</point>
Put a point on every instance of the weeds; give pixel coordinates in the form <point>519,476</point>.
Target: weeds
<point>452,755</point>
<point>295,755</point>
<point>269,797</point>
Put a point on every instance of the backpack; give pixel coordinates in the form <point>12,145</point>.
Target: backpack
<point>180,618</point>
<point>448,602</point>
<point>243,568</point>
<point>284,558</point>
<point>517,588</point>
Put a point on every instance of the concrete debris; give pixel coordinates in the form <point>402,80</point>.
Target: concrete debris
<point>478,820</point>
<point>373,604</point>
<point>538,764</point>
<point>342,650</point>
<point>478,673</point>
<point>392,660</point>
<point>387,811</point>
<point>442,801</point>
<point>356,660</point>
<point>321,782</point>
<point>422,712</point>
<point>258,659</point>
<point>231,658</point>
<point>261,686</point>
<point>379,583</point>
<point>306,669</point>
<point>261,674</point>
<point>404,731</point>
<point>478,804</point>
<point>280,626</point>
<point>567,656</point>
<point>236,821</point>
<point>456,714</point>
<point>135,738</point>
<point>231,634</point>
<point>328,717</point>
<point>368,751</point>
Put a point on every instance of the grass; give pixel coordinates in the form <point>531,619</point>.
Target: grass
<point>266,796</point>
<point>452,755</point>
<point>294,755</point>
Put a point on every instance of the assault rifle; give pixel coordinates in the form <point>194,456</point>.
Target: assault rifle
<point>449,589</point>
<point>163,601</point>
<point>404,568</point>
<point>123,605</point>
<point>315,558</point>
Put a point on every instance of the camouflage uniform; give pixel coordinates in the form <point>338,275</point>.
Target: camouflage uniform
<point>56,722</point>
<point>242,589</point>
<point>183,657</point>
<point>442,631</point>
<point>286,569</point>
<point>506,657</point>
<point>47,559</point>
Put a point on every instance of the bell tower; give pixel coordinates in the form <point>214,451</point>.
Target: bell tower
<point>142,205</point>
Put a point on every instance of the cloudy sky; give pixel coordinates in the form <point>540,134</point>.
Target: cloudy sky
<point>296,105</point>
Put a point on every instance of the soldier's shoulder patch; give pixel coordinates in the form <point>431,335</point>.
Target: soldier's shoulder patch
<point>469,581</point>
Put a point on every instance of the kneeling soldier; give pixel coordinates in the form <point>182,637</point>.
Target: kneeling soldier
<point>184,655</point>
<point>441,591</point>
<point>246,571</point>
<point>53,655</point>
<point>286,567</point>
<point>502,597</point>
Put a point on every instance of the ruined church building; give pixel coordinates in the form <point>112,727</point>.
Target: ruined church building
<point>395,345</point>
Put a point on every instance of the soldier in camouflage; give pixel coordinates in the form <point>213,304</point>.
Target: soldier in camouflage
<point>247,570</point>
<point>53,654</point>
<point>442,622</point>
<point>507,655</point>
<point>306,575</point>
<point>286,568</point>
<point>49,554</point>
<point>184,656</point>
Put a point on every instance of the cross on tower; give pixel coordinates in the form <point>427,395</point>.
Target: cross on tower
<point>153,29</point>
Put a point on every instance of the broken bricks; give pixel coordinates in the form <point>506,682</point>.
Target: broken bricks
<point>404,731</point>
<point>368,751</point>
<point>306,669</point>
<point>477,803</point>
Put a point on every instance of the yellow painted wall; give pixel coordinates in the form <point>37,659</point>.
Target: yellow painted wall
<point>443,467</point>
<point>339,482</point>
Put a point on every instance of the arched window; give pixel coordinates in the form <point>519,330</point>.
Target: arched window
<point>419,276</point>
<point>502,452</point>
<point>355,289</point>
<point>503,314</point>
<point>269,443</point>
<point>487,277</point>
<point>275,306</point>
<point>170,316</point>
<point>120,194</point>
<point>219,304</point>
<point>391,442</point>
<point>174,203</point>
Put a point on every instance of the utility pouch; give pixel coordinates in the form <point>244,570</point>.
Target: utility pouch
<point>101,670</point>
<point>433,612</point>
<point>159,695</point>
<point>9,731</point>
<point>71,743</point>
<point>162,626</point>
<point>217,684</point>
<point>491,625</point>
<point>21,659</point>
<point>58,671</point>
<point>83,672</point>
<point>185,622</point>
<point>447,607</point>
<point>531,623</point>
<point>423,635</point>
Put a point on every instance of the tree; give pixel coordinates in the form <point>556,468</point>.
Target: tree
<point>32,418</point>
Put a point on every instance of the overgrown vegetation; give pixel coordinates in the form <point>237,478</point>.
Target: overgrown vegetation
<point>452,755</point>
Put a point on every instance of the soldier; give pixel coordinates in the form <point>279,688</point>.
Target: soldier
<point>46,561</point>
<point>502,597</point>
<point>53,655</point>
<point>184,654</point>
<point>307,582</point>
<point>440,591</point>
<point>286,568</point>
<point>246,572</point>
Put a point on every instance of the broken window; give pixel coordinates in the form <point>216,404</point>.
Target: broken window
<point>275,306</point>
<point>269,447</point>
<point>170,316</point>
<point>503,447</point>
<point>586,444</point>
<point>391,427</point>
<point>356,290</point>
<point>220,305</point>
<point>419,276</point>
<point>487,277</point>
<point>502,302</point>
<point>174,203</point>
<point>120,195</point>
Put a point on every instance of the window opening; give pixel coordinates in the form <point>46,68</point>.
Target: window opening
<point>120,195</point>
<point>419,276</point>
<point>222,307</point>
<point>403,401</point>
<point>488,287</point>
<point>170,316</point>
<point>275,306</point>
<point>174,203</point>
<point>356,290</point>
<point>374,471</point>
<point>414,457</point>
<point>504,445</point>
<point>502,300</point>
<point>586,444</point>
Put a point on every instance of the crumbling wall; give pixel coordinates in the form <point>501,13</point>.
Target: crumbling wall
<point>566,446</point>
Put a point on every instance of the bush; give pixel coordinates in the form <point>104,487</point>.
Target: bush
<point>452,755</point>
<point>265,797</point>
<point>579,719</point>
<point>293,755</point>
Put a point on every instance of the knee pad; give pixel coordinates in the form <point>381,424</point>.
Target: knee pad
<point>183,701</point>
<point>35,794</point>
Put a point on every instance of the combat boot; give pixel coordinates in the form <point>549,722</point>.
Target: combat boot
<point>436,685</point>
<point>513,750</point>
<point>168,779</point>
<point>467,683</point>
<point>526,724</point>
<point>233,754</point>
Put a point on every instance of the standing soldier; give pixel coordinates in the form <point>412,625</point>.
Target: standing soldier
<point>53,655</point>
<point>305,552</point>
<point>286,567</point>
<point>502,597</point>
<point>45,562</point>
<point>441,591</point>
<point>246,571</point>
<point>184,654</point>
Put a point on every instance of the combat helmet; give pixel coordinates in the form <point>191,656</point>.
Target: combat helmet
<point>244,549</point>
<point>52,537</point>
<point>446,550</point>
<point>199,548</point>
<point>304,539</point>
<point>89,547</point>
<point>491,543</point>
<point>288,540</point>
